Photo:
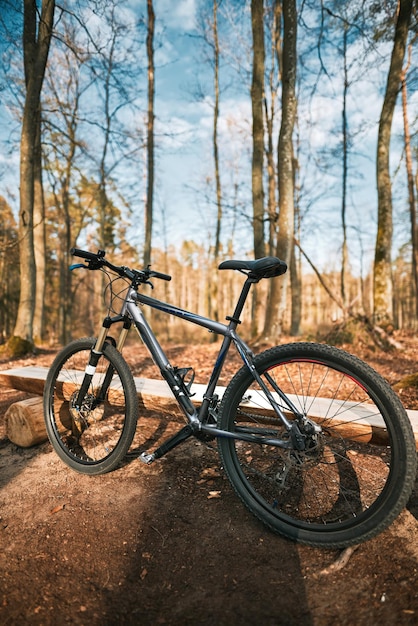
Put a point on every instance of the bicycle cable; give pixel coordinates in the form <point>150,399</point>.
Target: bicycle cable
<point>111,294</point>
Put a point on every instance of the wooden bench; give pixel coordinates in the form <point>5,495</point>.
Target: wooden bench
<point>25,423</point>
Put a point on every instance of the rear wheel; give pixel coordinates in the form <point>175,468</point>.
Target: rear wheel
<point>352,479</point>
<point>94,438</point>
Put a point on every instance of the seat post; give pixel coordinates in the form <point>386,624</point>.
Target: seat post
<point>241,300</point>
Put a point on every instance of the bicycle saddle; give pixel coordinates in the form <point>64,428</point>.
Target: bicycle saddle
<point>266,267</point>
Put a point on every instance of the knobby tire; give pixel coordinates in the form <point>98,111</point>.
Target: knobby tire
<point>350,483</point>
<point>94,440</point>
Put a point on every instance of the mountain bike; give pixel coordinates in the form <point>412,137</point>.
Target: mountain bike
<point>313,441</point>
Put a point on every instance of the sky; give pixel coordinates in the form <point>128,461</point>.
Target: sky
<point>319,118</point>
<point>184,160</point>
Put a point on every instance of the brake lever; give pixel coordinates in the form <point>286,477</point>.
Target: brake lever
<point>95,264</point>
<point>75,266</point>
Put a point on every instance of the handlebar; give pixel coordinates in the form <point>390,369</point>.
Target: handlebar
<point>96,260</point>
<point>85,254</point>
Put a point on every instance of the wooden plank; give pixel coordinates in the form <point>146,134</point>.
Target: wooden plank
<point>32,380</point>
<point>157,396</point>
<point>28,379</point>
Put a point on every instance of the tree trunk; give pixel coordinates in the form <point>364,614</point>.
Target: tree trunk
<point>382,278</point>
<point>213,285</point>
<point>296,280</point>
<point>39,241</point>
<point>344,254</point>
<point>277,306</point>
<point>276,53</point>
<point>257,96</point>
<point>24,322</point>
<point>410,178</point>
<point>215,133</point>
<point>257,100</point>
<point>150,135</point>
<point>36,41</point>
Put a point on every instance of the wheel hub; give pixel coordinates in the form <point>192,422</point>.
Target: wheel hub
<point>87,414</point>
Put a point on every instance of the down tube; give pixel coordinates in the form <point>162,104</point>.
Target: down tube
<point>158,354</point>
<point>148,337</point>
<point>161,360</point>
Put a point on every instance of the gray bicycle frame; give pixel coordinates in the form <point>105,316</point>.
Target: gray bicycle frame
<point>196,419</point>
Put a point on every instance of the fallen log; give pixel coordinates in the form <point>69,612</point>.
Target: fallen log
<point>25,425</point>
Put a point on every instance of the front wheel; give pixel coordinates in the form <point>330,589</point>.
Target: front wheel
<point>93,438</point>
<point>353,477</point>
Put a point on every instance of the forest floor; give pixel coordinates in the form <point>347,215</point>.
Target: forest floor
<point>171,544</point>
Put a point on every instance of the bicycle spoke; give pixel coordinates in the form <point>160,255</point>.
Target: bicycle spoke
<point>94,436</point>
<point>351,463</point>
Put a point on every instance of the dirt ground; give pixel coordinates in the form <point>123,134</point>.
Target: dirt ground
<point>170,543</point>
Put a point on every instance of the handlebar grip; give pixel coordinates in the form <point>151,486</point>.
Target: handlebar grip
<point>161,276</point>
<point>83,254</point>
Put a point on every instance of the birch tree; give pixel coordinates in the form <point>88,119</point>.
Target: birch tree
<point>275,311</point>
<point>382,272</point>
<point>150,135</point>
<point>37,32</point>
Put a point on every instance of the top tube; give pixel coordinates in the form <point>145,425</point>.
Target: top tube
<point>194,318</point>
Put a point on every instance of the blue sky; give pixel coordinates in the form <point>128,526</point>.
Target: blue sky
<point>184,161</point>
<point>318,119</point>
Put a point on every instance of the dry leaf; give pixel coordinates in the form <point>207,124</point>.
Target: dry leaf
<point>210,472</point>
<point>60,507</point>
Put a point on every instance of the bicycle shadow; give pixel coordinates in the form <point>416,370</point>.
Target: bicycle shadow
<point>201,557</point>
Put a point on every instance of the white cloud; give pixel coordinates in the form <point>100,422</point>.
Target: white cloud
<point>179,15</point>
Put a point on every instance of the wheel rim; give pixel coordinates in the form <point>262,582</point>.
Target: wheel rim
<point>341,481</point>
<point>90,435</point>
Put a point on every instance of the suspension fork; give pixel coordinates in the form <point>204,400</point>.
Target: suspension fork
<point>95,355</point>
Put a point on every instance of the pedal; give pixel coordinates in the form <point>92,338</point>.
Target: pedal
<point>146,458</point>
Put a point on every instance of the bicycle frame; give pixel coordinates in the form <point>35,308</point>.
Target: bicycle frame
<point>197,420</point>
